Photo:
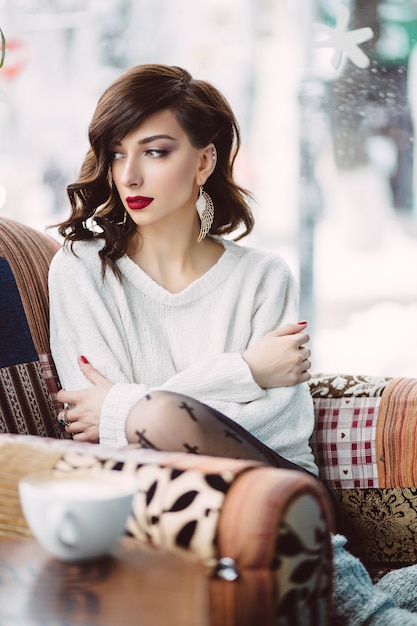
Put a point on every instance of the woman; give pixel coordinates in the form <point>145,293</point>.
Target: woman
<point>152,301</point>
<point>191,336</point>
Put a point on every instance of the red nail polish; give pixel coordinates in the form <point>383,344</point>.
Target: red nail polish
<point>84,359</point>
<point>303,322</point>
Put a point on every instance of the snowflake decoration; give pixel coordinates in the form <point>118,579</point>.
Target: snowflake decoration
<point>344,42</point>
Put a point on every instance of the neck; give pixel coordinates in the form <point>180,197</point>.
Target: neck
<point>174,262</point>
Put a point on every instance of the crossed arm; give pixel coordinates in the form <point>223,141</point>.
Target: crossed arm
<point>279,359</point>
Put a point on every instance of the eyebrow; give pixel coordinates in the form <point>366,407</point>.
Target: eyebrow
<point>155,137</point>
<point>146,140</point>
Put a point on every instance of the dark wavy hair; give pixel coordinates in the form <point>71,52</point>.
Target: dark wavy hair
<point>206,117</point>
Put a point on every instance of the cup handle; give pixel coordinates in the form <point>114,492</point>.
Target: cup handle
<point>64,524</point>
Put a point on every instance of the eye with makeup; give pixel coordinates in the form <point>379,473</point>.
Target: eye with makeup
<point>156,153</point>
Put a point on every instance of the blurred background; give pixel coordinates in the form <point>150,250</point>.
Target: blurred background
<point>325,93</point>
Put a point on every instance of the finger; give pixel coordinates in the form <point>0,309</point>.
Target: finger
<point>86,435</point>
<point>290,328</point>
<point>306,365</point>
<point>89,371</point>
<point>305,353</point>
<point>305,377</point>
<point>68,397</point>
<point>302,338</point>
<point>81,436</point>
<point>73,425</point>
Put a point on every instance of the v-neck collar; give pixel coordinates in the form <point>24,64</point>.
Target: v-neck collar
<point>198,288</point>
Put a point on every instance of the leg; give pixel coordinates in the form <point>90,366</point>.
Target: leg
<point>174,422</point>
<point>164,420</point>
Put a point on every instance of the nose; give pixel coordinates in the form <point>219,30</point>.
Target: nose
<point>130,176</point>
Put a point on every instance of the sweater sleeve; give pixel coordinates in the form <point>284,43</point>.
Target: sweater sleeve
<point>217,379</point>
<point>224,376</point>
<point>120,400</point>
<point>83,325</point>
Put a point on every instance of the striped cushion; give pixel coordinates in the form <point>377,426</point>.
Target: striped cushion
<point>396,435</point>
<point>28,380</point>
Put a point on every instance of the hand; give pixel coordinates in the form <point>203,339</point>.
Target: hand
<point>82,419</point>
<point>280,359</point>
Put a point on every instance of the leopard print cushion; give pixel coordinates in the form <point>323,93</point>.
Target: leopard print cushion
<point>178,509</point>
<point>172,508</point>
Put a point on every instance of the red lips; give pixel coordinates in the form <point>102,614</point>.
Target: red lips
<point>136,203</point>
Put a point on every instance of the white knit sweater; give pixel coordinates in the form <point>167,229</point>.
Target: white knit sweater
<point>140,336</point>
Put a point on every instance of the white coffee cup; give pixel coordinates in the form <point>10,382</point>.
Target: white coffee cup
<point>74,515</point>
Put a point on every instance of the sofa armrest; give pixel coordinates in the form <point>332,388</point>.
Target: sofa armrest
<point>364,442</point>
<point>28,379</point>
<point>262,533</point>
<point>275,525</point>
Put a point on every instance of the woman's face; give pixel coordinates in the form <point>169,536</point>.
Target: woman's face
<point>157,172</point>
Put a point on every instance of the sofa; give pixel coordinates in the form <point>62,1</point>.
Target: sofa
<point>262,534</point>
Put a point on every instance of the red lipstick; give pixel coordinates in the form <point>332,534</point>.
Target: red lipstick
<point>135,203</point>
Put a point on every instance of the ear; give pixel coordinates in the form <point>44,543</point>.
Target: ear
<point>208,160</point>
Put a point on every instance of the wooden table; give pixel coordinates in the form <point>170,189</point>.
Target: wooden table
<point>133,586</point>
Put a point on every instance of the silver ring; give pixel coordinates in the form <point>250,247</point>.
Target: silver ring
<point>63,417</point>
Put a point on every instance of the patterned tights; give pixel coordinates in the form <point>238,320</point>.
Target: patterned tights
<point>177,423</point>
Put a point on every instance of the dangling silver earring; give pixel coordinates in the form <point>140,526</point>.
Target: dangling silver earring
<point>205,210</point>
<point>123,222</point>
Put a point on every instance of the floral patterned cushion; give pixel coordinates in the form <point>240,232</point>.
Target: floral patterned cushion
<point>381,526</point>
